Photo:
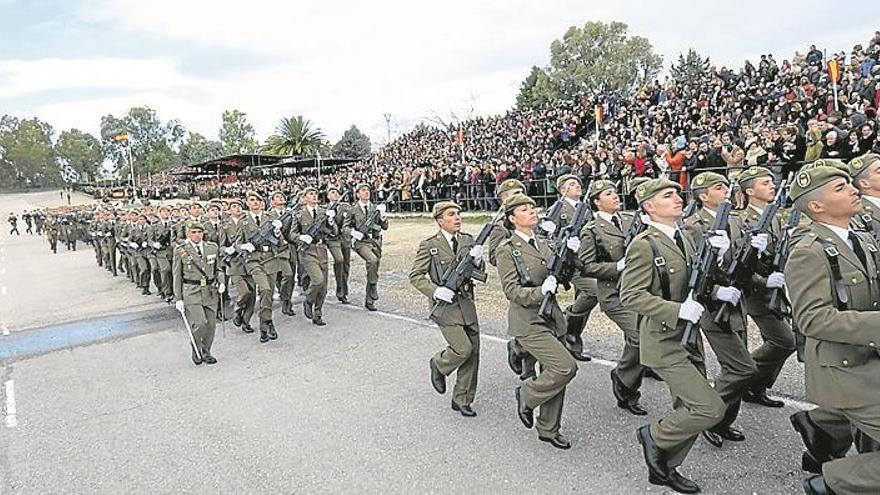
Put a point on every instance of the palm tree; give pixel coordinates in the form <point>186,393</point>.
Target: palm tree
<point>295,136</point>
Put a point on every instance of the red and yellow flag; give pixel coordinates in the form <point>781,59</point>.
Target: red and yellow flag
<point>600,113</point>
<point>121,137</point>
<point>834,69</point>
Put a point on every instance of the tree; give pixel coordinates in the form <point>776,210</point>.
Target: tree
<point>27,156</point>
<point>595,58</point>
<point>690,68</point>
<point>80,151</point>
<point>237,134</point>
<point>147,137</point>
<point>295,136</point>
<point>352,144</point>
<point>197,149</point>
<point>528,97</point>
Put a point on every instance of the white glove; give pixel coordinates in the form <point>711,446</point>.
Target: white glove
<point>179,306</point>
<point>277,223</point>
<point>277,232</point>
<point>621,264</point>
<point>443,294</point>
<point>331,214</point>
<point>306,238</point>
<point>776,280</point>
<point>144,244</point>
<point>382,209</point>
<point>573,243</point>
<point>720,241</point>
<point>229,250</point>
<point>357,234</point>
<point>248,247</point>
<point>133,245</point>
<point>728,294</point>
<point>548,226</point>
<point>549,285</point>
<point>157,245</point>
<point>759,242</point>
<point>221,288</point>
<point>690,310</point>
<point>476,252</point>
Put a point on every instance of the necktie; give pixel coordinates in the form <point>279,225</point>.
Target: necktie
<point>258,219</point>
<point>857,248</point>
<point>616,222</point>
<point>679,242</point>
<point>199,249</point>
<point>533,243</point>
<point>455,244</point>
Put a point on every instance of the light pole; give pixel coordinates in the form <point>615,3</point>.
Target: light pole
<point>388,126</point>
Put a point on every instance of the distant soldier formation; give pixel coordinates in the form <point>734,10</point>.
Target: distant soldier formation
<point>799,258</point>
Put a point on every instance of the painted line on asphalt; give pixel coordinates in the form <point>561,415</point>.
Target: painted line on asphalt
<point>11,417</point>
<point>793,403</point>
<point>5,329</point>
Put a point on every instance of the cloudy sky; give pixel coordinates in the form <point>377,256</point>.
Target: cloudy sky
<point>350,62</point>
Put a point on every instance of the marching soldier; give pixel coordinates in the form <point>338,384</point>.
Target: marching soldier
<point>52,233</point>
<point>284,279</point>
<point>313,225</point>
<point>340,244</point>
<point>366,223</point>
<point>161,235</point>
<point>525,279</point>
<point>13,223</point>
<point>69,229</point>
<point>197,282</point>
<point>834,289</point>
<point>231,236</point>
<point>194,213</point>
<point>28,222</point>
<point>729,339</point>
<point>654,285</point>
<point>865,173</point>
<point>603,256</point>
<point>39,221</point>
<point>757,185</point>
<point>453,311</point>
<point>139,242</point>
<point>211,222</point>
<point>260,261</point>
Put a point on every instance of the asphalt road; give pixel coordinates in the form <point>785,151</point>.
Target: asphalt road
<point>100,396</point>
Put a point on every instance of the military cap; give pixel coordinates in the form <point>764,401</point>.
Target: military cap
<point>633,184</point>
<point>253,194</point>
<point>517,200</point>
<point>236,201</point>
<point>442,206</point>
<point>277,192</point>
<point>307,190</point>
<point>362,185</point>
<point>708,179</point>
<point>597,186</point>
<point>196,203</point>
<point>649,189</point>
<point>333,187</point>
<point>861,163</point>
<point>214,204</point>
<point>827,162</point>
<point>565,178</point>
<point>194,225</point>
<point>814,178</point>
<point>753,173</point>
<point>163,207</point>
<point>509,185</point>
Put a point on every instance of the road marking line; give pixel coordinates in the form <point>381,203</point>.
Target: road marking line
<point>5,329</point>
<point>11,419</point>
<point>793,403</point>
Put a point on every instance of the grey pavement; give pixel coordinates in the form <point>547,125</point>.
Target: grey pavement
<point>343,408</point>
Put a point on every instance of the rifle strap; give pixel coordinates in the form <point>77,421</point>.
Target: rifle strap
<point>436,267</point>
<point>197,263</point>
<point>602,253</point>
<point>841,297</point>
<point>659,265</point>
<point>521,270</point>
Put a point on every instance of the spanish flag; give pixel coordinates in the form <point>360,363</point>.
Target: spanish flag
<point>123,136</point>
<point>600,113</point>
<point>834,69</point>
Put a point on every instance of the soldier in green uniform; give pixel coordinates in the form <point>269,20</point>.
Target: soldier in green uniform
<point>139,242</point>
<point>161,236</point>
<point>865,173</point>
<point>603,256</point>
<point>260,260</point>
<point>728,339</point>
<point>367,238</point>
<point>108,241</point>
<point>525,279</point>
<point>834,289</point>
<point>194,213</point>
<point>654,285</point>
<point>285,274</point>
<point>52,233</point>
<point>197,281</point>
<point>211,221</point>
<point>576,315</point>
<point>757,185</point>
<point>69,232</point>
<point>340,244</point>
<point>230,237</point>
<point>453,311</point>
<point>313,256</point>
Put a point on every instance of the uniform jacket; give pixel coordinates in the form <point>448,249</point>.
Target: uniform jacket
<point>433,258</point>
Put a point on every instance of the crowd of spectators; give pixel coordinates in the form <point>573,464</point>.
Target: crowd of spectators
<point>775,114</point>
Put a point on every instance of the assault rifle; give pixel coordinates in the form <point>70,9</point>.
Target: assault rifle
<point>553,215</point>
<point>316,228</point>
<point>562,256</point>
<point>366,227</point>
<point>265,236</point>
<point>779,303</point>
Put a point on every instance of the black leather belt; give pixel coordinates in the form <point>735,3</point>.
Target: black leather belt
<point>202,282</point>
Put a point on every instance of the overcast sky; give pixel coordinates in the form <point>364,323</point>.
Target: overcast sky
<point>350,62</point>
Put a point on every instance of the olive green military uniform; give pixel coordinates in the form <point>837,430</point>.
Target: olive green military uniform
<point>284,272</point>
<point>696,405</point>
<point>138,242</point>
<point>457,321</point>
<point>52,234</point>
<point>231,236</point>
<point>196,277</point>
<point>108,241</point>
<point>602,246</point>
<point>314,257</point>
<point>522,269</point>
<point>161,234</point>
<point>370,247</point>
<point>340,250</point>
<point>69,230</point>
<point>260,264</point>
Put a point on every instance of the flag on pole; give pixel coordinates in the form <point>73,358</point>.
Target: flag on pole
<point>834,69</point>
<point>600,113</point>
<point>459,137</point>
<point>123,136</point>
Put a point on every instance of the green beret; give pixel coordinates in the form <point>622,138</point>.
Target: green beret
<point>214,204</point>
<point>517,200</point>
<point>196,203</point>
<point>565,178</point>
<point>708,179</point>
<point>827,162</point>
<point>361,186</point>
<point>633,184</point>
<point>236,201</point>
<point>442,206</point>
<point>509,185</point>
<point>753,173</point>
<point>861,163</point>
<point>194,225</point>
<point>597,186</point>
<point>814,178</point>
<point>164,207</point>
<point>307,190</point>
<point>277,192</point>
<point>333,187</point>
<point>253,194</point>
<point>649,189</point>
